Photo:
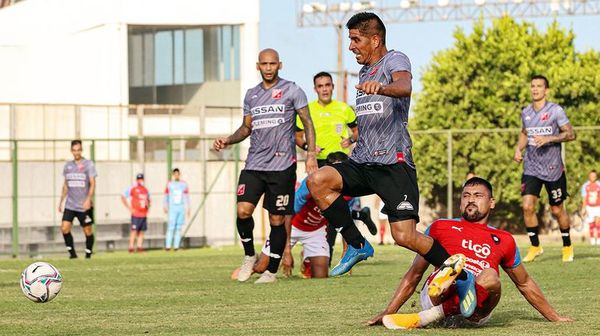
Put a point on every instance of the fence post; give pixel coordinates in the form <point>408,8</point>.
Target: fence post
<point>169,158</point>
<point>449,202</point>
<point>236,157</point>
<point>93,158</point>
<point>15,201</point>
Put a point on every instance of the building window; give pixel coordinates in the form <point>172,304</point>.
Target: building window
<point>168,65</point>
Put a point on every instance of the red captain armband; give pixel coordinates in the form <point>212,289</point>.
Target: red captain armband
<point>400,157</point>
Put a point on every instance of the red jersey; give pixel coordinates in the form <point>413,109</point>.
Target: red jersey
<point>483,245</point>
<point>309,218</point>
<point>591,193</point>
<point>140,199</point>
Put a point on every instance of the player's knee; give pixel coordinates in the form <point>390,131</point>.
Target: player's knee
<point>244,211</point>
<point>404,238</point>
<point>315,180</point>
<point>489,280</point>
<point>528,208</point>
<point>557,210</point>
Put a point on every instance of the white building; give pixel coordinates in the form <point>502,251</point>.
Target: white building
<point>113,69</point>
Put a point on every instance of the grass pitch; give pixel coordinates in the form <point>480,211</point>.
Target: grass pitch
<point>190,293</point>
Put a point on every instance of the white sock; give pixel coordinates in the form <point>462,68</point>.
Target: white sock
<point>430,315</point>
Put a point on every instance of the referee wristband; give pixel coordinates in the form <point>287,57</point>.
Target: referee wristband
<point>305,146</point>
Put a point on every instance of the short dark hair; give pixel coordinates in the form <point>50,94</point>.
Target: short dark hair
<point>336,157</point>
<point>322,74</point>
<point>368,24</point>
<point>546,82</point>
<point>473,181</point>
<point>75,142</point>
<point>176,170</point>
<point>593,171</point>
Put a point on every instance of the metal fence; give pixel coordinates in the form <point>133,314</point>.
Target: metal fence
<point>32,175</point>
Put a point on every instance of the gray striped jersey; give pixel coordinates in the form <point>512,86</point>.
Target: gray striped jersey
<point>383,136</point>
<point>273,112</point>
<point>77,177</point>
<point>543,162</point>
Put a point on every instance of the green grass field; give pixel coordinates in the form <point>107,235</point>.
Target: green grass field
<point>189,293</point>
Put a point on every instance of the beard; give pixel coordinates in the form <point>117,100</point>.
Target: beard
<point>473,216</point>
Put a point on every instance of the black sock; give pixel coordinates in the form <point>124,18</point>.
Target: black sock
<point>437,254</point>
<point>331,237</point>
<point>277,240</point>
<point>245,229</point>
<point>69,243</point>
<point>533,235</point>
<point>358,215</point>
<point>566,236</point>
<point>338,215</point>
<point>89,245</point>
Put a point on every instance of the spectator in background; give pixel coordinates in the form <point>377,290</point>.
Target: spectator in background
<point>137,200</point>
<point>590,192</point>
<point>177,205</point>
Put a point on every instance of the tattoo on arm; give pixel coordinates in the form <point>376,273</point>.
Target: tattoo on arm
<point>309,130</point>
<point>242,132</point>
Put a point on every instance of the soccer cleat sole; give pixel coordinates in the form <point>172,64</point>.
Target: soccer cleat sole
<point>401,321</point>
<point>446,275</point>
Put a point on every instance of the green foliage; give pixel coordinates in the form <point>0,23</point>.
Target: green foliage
<point>482,82</point>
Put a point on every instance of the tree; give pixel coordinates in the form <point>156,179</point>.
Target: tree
<point>482,82</point>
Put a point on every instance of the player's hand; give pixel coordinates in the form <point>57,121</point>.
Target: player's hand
<point>370,87</point>
<point>220,143</point>
<point>166,210</point>
<point>60,208</point>
<point>311,164</point>
<point>563,319</point>
<point>319,149</point>
<point>540,140</point>
<point>377,319</point>
<point>345,143</point>
<point>287,263</point>
<point>518,156</point>
<point>87,204</point>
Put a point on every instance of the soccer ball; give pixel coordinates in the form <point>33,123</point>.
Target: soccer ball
<point>41,282</point>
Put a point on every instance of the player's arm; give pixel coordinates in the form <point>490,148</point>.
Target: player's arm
<point>309,133</point>
<point>87,204</point>
<point>124,200</point>
<point>566,134</point>
<point>287,262</point>
<point>352,139</point>
<point>63,195</point>
<point>186,199</point>
<point>405,290</point>
<point>533,294</point>
<point>521,144</point>
<point>400,86</point>
<point>166,200</point>
<point>238,136</point>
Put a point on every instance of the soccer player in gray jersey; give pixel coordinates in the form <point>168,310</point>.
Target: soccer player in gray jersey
<point>381,162</point>
<point>545,126</point>
<point>269,118</point>
<point>78,188</point>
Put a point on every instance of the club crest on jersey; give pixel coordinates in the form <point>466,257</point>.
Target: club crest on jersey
<point>496,239</point>
<point>241,189</point>
<point>276,93</point>
<point>374,71</point>
<point>545,116</point>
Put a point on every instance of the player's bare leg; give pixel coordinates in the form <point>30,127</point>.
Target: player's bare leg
<point>531,224</point>
<point>319,266</point>
<point>140,241</point>
<point>560,213</point>
<point>132,235</point>
<point>66,231</point>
